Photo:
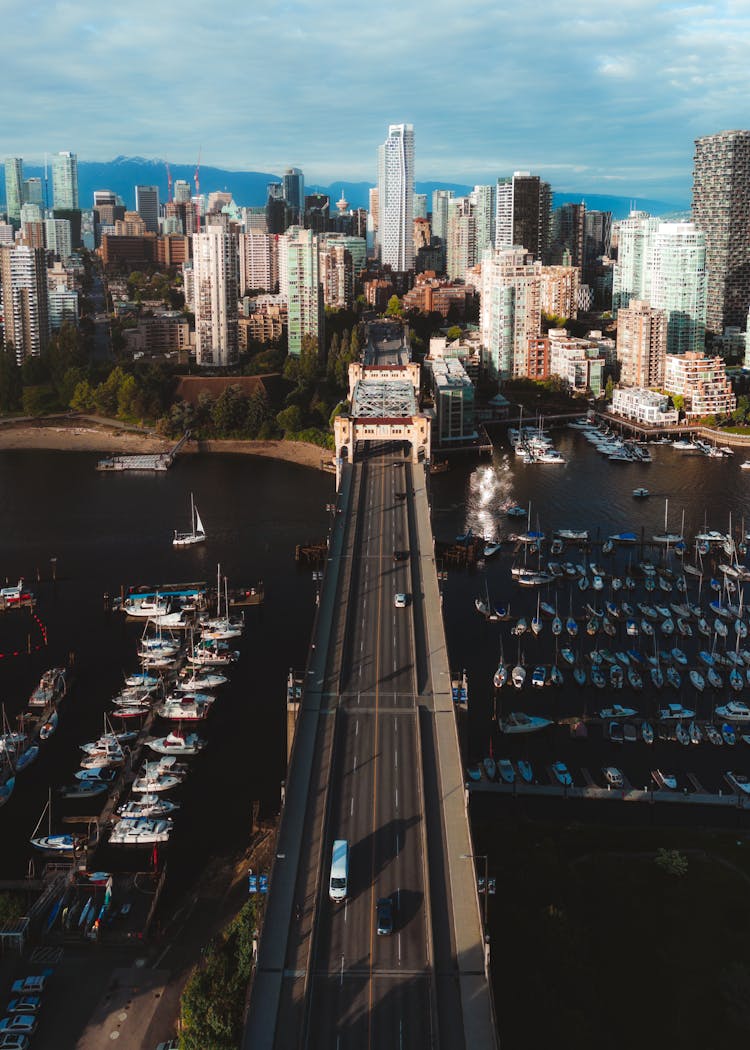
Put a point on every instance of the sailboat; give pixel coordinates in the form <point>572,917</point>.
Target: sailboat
<point>64,843</point>
<point>197,533</point>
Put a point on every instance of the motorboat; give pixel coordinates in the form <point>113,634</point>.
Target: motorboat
<point>6,789</point>
<point>85,789</point>
<point>140,831</point>
<point>738,781</point>
<point>490,767</point>
<point>647,733</point>
<point>615,732</point>
<point>506,770</point>
<point>736,681</point>
<point>714,678</point>
<point>679,657</point>
<point>155,783</point>
<point>673,677</point>
<point>613,777</point>
<point>561,774</point>
<point>26,757</point>
<point>520,722</point>
<point>568,655</point>
<point>539,677</point>
<point>555,676</point>
<point>665,780</point>
<point>525,770</point>
<point>500,676</point>
<point>142,679</point>
<point>571,627</point>
<point>142,608</point>
<point>641,493</point>
<point>177,744</point>
<point>696,733</point>
<point>48,728</point>
<point>491,548</point>
<point>51,688</point>
<point>201,680</point>
<point>734,711</point>
<point>579,676</point>
<point>675,713</point>
<point>474,772</point>
<point>557,626</point>
<point>102,774</point>
<point>190,708</point>
<point>667,627</point>
<point>64,843</point>
<point>111,756</point>
<point>634,679</point>
<point>617,711</point>
<point>624,537</point>
<point>682,735</point>
<point>657,677</point>
<point>597,678</point>
<point>713,735</point>
<point>728,734</point>
<point>574,535</point>
<point>518,676</point>
<point>148,805</point>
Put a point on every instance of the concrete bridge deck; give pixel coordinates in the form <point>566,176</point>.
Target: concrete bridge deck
<point>375,761</point>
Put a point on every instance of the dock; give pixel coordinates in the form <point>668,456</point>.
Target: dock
<point>625,794</point>
<point>145,463</point>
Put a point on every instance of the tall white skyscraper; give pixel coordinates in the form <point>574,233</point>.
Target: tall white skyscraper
<point>484,200</point>
<point>215,293</point>
<point>664,264</point>
<point>511,311</point>
<point>65,180</point>
<point>259,262</point>
<point>396,198</point>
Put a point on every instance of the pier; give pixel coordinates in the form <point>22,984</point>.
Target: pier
<point>146,462</point>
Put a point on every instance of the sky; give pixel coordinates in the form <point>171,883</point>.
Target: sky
<point>595,97</point>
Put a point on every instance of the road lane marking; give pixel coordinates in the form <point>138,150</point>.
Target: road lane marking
<point>396,798</point>
<point>395,757</point>
<point>397,845</point>
<point>341,982</point>
<point>399,947</point>
<point>351,808</point>
<point>356,728</point>
<point>354,770</point>
<point>346,905</point>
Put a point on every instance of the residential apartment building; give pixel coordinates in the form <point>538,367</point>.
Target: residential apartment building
<point>641,344</point>
<point>721,209</point>
<point>302,287</point>
<point>644,406</point>
<point>396,198</point>
<point>265,322</point>
<point>597,239</point>
<point>420,206</point>
<point>523,213</point>
<point>578,362</point>
<point>559,291</point>
<point>431,293</point>
<point>461,240</point>
<point>58,239</point>
<point>453,392</point>
<point>631,278</point>
<point>215,295</point>
<point>25,302</point>
<point>440,202</point>
<point>702,381</point>
<point>62,306</point>
<point>568,236</point>
<point>336,275</point>
<point>259,262</point>
<point>510,310</point>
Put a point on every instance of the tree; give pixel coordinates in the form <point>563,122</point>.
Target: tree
<point>609,389</point>
<point>10,382</point>
<point>453,333</point>
<point>290,419</point>
<point>671,862</point>
<point>82,399</point>
<point>394,308</point>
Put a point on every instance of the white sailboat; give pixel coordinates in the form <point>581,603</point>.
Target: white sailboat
<point>197,533</point>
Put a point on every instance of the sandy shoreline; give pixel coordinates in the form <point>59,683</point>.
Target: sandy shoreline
<point>80,436</point>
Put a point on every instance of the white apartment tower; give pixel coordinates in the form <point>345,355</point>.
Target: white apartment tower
<point>58,238</point>
<point>396,198</point>
<point>65,180</point>
<point>259,262</point>
<point>511,309</point>
<point>23,277</point>
<point>215,295</point>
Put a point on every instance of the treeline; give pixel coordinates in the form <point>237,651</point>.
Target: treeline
<point>233,414</point>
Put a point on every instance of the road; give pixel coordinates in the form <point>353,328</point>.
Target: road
<point>355,989</point>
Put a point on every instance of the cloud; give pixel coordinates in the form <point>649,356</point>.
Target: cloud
<point>587,94</point>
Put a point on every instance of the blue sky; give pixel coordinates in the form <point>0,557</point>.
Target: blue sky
<point>597,97</point>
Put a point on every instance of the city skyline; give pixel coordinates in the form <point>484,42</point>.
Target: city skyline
<point>565,97</point>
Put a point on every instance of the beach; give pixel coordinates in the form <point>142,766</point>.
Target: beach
<point>86,435</point>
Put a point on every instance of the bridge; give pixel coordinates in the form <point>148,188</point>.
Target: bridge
<point>375,761</point>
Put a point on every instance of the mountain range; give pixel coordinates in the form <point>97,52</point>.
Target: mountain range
<point>248,188</point>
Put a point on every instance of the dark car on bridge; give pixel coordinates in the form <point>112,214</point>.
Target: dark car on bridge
<point>385,916</point>
<point>400,555</point>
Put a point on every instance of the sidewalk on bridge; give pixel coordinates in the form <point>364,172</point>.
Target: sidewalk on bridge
<point>476,997</point>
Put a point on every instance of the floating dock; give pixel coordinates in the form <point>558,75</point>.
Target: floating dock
<point>147,463</point>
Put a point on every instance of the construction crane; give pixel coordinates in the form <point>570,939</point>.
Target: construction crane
<point>169,181</point>
<point>197,179</point>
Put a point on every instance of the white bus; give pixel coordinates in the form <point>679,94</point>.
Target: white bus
<point>337,887</point>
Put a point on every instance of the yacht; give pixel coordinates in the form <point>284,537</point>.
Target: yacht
<point>738,781</point>
<point>520,722</point>
<point>734,711</point>
<point>675,713</point>
<point>177,744</point>
<point>140,831</point>
<point>148,805</point>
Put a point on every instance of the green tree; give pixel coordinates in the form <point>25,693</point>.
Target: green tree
<point>453,333</point>
<point>394,308</point>
<point>10,382</point>
<point>609,389</point>
<point>290,419</point>
<point>671,862</point>
<point>38,400</point>
<point>82,399</point>
<point>309,359</point>
<point>127,393</point>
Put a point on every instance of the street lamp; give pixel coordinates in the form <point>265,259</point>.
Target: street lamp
<point>481,856</point>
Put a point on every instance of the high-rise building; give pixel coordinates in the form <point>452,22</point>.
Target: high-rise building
<point>24,286</point>
<point>301,283</point>
<point>147,206</point>
<point>511,309</point>
<point>461,240</point>
<point>703,383</point>
<point>484,198</point>
<point>396,198</point>
<point>440,199</point>
<point>58,238</point>
<point>317,212</point>
<point>294,191</point>
<point>420,206</point>
<point>664,264</point>
<point>721,209</point>
<point>597,237</point>
<point>641,344</point>
<point>523,212</point>
<point>215,294</point>
<point>182,192</point>
<point>631,279</point>
<point>65,180</point>
<point>568,236</point>
<point>336,275</point>
<point>259,262</point>
<point>32,191</point>
<point>373,218</point>
<point>14,188</point>
<point>559,294</point>
<point>356,246</point>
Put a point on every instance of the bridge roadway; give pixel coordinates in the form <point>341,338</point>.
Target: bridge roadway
<point>328,980</point>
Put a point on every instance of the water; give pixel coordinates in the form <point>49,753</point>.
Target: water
<point>109,531</point>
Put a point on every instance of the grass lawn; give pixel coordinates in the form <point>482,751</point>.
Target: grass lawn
<point>595,945</point>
